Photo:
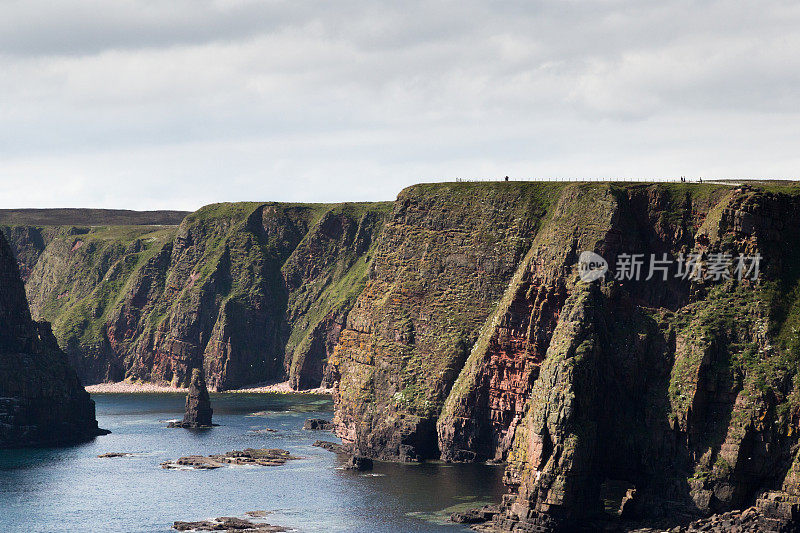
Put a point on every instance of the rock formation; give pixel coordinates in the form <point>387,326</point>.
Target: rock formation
<point>455,326</point>
<point>42,402</point>
<point>228,523</point>
<point>318,424</point>
<point>330,446</point>
<point>248,456</point>
<point>359,463</point>
<point>198,404</point>
<point>445,257</point>
<point>248,292</point>
<point>684,389</point>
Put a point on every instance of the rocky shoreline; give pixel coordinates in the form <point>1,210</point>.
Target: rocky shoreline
<point>773,512</point>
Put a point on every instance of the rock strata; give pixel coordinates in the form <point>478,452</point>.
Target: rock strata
<point>475,516</point>
<point>684,391</point>
<point>249,292</point>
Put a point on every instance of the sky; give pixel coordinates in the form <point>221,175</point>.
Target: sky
<point>146,104</point>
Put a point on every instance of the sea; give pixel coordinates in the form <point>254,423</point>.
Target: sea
<point>71,489</point>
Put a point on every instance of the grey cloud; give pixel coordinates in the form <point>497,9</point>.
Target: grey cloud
<point>376,95</point>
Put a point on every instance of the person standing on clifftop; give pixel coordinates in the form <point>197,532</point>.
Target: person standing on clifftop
<point>506,178</point>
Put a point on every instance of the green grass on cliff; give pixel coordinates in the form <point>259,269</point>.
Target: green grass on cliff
<point>501,220</point>
<point>726,324</point>
<point>532,196</point>
<point>101,264</point>
<point>226,210</point>
<point>89,217</point>
<point>335,288</point>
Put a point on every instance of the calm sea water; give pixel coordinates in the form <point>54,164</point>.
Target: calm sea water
<point>71,489</point>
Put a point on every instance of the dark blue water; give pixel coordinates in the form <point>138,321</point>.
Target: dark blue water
<point>71,489</point>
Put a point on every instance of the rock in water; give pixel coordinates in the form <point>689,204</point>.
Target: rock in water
<point>198,404</point>
<point>359,463</point>
<point>318,424</point>
<point>42,402</point>
<point>227,523</point>
<point>246,457</point>
<point>475,516</point>
<point>330,446</point>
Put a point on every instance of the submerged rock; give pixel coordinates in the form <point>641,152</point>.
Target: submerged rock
<point>475,516</point>
<point>262,431</point>
<point>318,424</point>
<point>330,446</point>
<point>114,454</point>
<point>248,456</point>
<point>198,404</point>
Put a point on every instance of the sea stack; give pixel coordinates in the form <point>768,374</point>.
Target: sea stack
<point>42,401</point>
<point>198,404</point>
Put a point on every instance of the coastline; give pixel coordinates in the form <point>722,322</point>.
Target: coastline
<point>127,387</point>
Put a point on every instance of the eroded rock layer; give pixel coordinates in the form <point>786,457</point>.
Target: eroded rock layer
<point>198,413</point>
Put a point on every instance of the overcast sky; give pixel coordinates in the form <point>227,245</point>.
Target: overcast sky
<point>149,104</point>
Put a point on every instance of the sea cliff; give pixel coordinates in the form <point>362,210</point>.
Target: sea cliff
<point>453,324</point>
<point>42,402</point>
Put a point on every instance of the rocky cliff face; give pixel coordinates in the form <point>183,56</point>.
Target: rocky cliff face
<point>682,391</point>
<point>323,277</point>
<point>454,325</point>
<point>473,343</point>
<point>445,257</point>
<point>42,402</point>
<point>248,292</point>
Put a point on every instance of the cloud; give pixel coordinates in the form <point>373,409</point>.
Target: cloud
<point>145,104</point>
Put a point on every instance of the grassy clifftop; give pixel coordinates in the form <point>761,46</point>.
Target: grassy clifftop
<point>89,217</point>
